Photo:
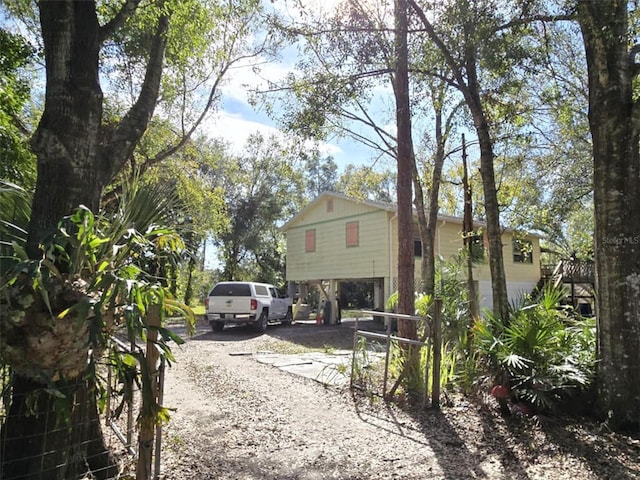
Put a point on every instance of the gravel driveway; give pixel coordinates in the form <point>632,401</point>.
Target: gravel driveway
<point>237,418</point>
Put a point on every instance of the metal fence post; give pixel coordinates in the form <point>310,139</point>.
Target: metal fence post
<point>386,359</point>
<point>353,353</point>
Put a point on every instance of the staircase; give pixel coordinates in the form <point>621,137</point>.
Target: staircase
<point>578,275</point>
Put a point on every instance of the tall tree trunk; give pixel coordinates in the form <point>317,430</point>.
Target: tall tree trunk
<point>405,173</point>
<point>614,119</point>
<point>405,159</point>
<point>66,140</point>
<point>428,221</point>
<point>73,169</point>
<point>491,207</point>
<point>188,291</point>
<point>500,297</point>
<point>427,236</point>
<point>65,143</point>
<point>467,82</point>
<point>468,232</point>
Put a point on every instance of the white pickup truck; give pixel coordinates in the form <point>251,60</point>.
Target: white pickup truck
<point>247,302</point>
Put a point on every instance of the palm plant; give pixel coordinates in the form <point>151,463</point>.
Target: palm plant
<point>15,211</point>
<point>452,290</point>
<point>544,353</point>
<point>92,280</point>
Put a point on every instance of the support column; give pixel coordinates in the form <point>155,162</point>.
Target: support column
<point>378,294</point>
<point>332,301</point>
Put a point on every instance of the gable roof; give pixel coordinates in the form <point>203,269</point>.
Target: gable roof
<point>386,206</point>
<point>389,207</point>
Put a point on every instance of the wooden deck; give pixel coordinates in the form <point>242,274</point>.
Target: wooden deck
<point>570,271</point>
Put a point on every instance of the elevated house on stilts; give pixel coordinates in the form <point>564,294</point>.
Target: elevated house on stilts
<point>338,239</point>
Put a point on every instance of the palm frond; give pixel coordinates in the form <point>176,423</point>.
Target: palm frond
<point>15,213</point>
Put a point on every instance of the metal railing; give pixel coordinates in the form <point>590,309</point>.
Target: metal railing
<point>431,338</point>
<point>579,271</point>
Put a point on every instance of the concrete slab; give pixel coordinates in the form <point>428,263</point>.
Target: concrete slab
<point>327,368</point>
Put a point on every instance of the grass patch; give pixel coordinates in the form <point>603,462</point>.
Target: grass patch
<point>284,347</point>
<point>290,348</point>
<point>352,314</point>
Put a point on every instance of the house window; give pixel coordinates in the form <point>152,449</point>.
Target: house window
<point>329,205</point>
<point>352,234</point>
<point>522,251</point>
<point>417,248</point>
<point>310,240</point>
<point>477,248</point>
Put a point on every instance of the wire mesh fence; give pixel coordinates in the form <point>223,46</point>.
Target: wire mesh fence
<point>53,434</point>
<point>82,430</point>
<point>124,402</point>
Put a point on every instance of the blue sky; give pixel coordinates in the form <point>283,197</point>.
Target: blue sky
<point>237,118</point>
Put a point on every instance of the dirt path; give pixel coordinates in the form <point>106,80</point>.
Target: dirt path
<point>236,418</point>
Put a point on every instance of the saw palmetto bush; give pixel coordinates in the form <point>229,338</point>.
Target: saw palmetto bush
<point>545,354</point>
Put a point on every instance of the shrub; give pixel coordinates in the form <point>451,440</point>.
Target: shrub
<point>544,354</point>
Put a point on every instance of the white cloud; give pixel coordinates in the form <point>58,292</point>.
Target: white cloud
<point>254,74</point>
<point>234,129</point>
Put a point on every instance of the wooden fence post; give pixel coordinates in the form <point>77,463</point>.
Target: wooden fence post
<point>437,353</point>
<point>147,425</point>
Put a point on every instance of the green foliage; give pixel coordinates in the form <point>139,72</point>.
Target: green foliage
<point>18,164</point>
<point>451,289</point>
<point>205,39</point>
<point>578,235</point>
<point>321,173</point>
<point>201,283</point>
<point>102,262</point>
<point>262,189</point>
<point>366,183</point>
<point>15,212</point>
<point>404,358</point>
<point>543,354</point>
<point>367,366</point>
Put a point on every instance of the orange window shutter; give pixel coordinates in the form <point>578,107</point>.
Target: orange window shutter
<point>310,241</point>
<point>352,234</point>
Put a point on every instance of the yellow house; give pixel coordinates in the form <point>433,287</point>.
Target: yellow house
<point>336,238</point>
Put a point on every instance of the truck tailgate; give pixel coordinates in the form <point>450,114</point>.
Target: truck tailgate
<point>230,305</point>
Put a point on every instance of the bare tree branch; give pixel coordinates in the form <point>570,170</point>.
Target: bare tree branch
<point>534,18</point>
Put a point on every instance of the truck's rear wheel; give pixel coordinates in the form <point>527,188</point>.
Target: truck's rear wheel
<point>261,323</point>
<point>217,326</point>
